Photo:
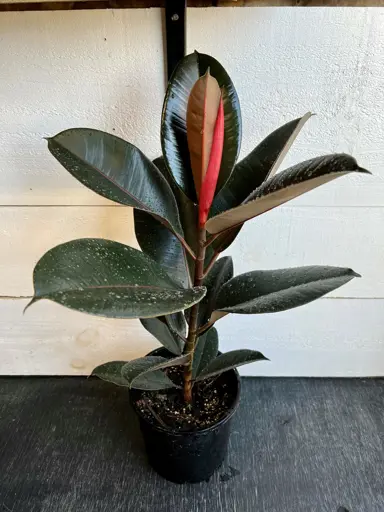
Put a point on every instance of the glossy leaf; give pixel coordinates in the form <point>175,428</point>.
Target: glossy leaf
<point>259,165</point>
<point>222,271</point>
<point>270,291</point>
<point>206,350</point>
<point>173,125</point>
<point>229,360</point>
<point>162,246</point>
<point>109,279</point>
<point>146,372</point>
<point>117,170</point>
<point>176,323</point>
<point>160,243</point>
<point>111,372</point>
<point>224,239</point>
<point>202,110</point>
<point>160,330</point>
<point>285,186</point>
<point>211,177</point>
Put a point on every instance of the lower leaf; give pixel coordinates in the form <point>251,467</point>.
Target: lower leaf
<point>111,372</point>
<point>160,330</point>
<point>230,360</point>
<point>146,372</point>
<point>205,351</point>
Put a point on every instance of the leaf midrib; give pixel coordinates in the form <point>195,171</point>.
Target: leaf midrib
<point>248,302</point>
<point>142,206</point>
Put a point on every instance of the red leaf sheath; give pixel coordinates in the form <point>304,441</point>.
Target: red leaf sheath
<point>208,186</point>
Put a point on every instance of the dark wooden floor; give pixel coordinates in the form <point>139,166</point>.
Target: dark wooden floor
<point>298,445</point>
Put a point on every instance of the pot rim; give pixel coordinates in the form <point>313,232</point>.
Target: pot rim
<point>204,430</point>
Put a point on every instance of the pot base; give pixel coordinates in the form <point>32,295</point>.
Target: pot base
<point>188,456</point>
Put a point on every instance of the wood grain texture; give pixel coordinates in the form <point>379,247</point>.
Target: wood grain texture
<point>285,237</point>
<point>48,5</point>
<point>326,338</point>
<point>297,445</point>
<point>285,77</point>
<point>87,68</point>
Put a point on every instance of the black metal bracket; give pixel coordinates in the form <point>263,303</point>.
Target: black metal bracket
<point>175,19</point>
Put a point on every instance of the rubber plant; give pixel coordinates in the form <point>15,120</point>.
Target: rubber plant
<point>189,206</point>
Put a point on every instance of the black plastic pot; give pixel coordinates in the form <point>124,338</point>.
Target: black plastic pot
<point>188,456</point>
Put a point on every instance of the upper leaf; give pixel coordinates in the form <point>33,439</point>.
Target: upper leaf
<point>202,109</point>
<point>146,372</point>
<point>160,330</point>
<point>210,179</point>
<point>229,360</point>
<point>117,170</point>
<point>205,351</point>
<point>173,125</point>
<point>109,279</point>
<point>285,186</point>
<point>270,291</point>
<point>259,165</point>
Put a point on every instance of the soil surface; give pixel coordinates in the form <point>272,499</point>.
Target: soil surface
<point>212,398</point>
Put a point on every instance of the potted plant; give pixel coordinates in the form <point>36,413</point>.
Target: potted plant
<point>190,204</point>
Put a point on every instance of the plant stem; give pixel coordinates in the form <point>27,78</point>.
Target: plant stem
<point>210,264</point>
<point>193,318</point>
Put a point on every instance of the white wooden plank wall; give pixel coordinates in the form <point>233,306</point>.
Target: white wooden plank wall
<point>105,69</point>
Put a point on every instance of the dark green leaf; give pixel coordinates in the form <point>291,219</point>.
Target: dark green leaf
<point>221,272</point>
<point>205,351</point>
<point>224,240</point>
<point>285,186</point>
<point>135,371</point>
<point>173,126</point>
<point>160,330</point>
<point>146,372</point>
<point>229,360</point>
<point>176,323</point>
<point>111,372</point>
<point>270,291</point>
<point>255,168</point>
<point>160,243</point>
<point>117,170</point>
<point>109,279</point>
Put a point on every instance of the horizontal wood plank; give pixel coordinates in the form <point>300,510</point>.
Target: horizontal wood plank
<point>93,77</point>
<point>291,237</point>
<point>330,337</point>
<point>48,5</point>
<point>284,237</point>
<point>27,233</point>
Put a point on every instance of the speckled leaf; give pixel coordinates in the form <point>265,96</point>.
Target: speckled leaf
<point>220,273</point>
<point>111,372</point>
<point>117,170</point>
<point>259,165</point>
<point>173,126</point>
<point>109,279</point>
<point>146,372</point>
<point>229,360</point>
<point>285,186</point>
<point>270,291</point>
<point>205,351</point>
<point>160,330</point>
<point>176,323</point>
<point>159,242</point>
